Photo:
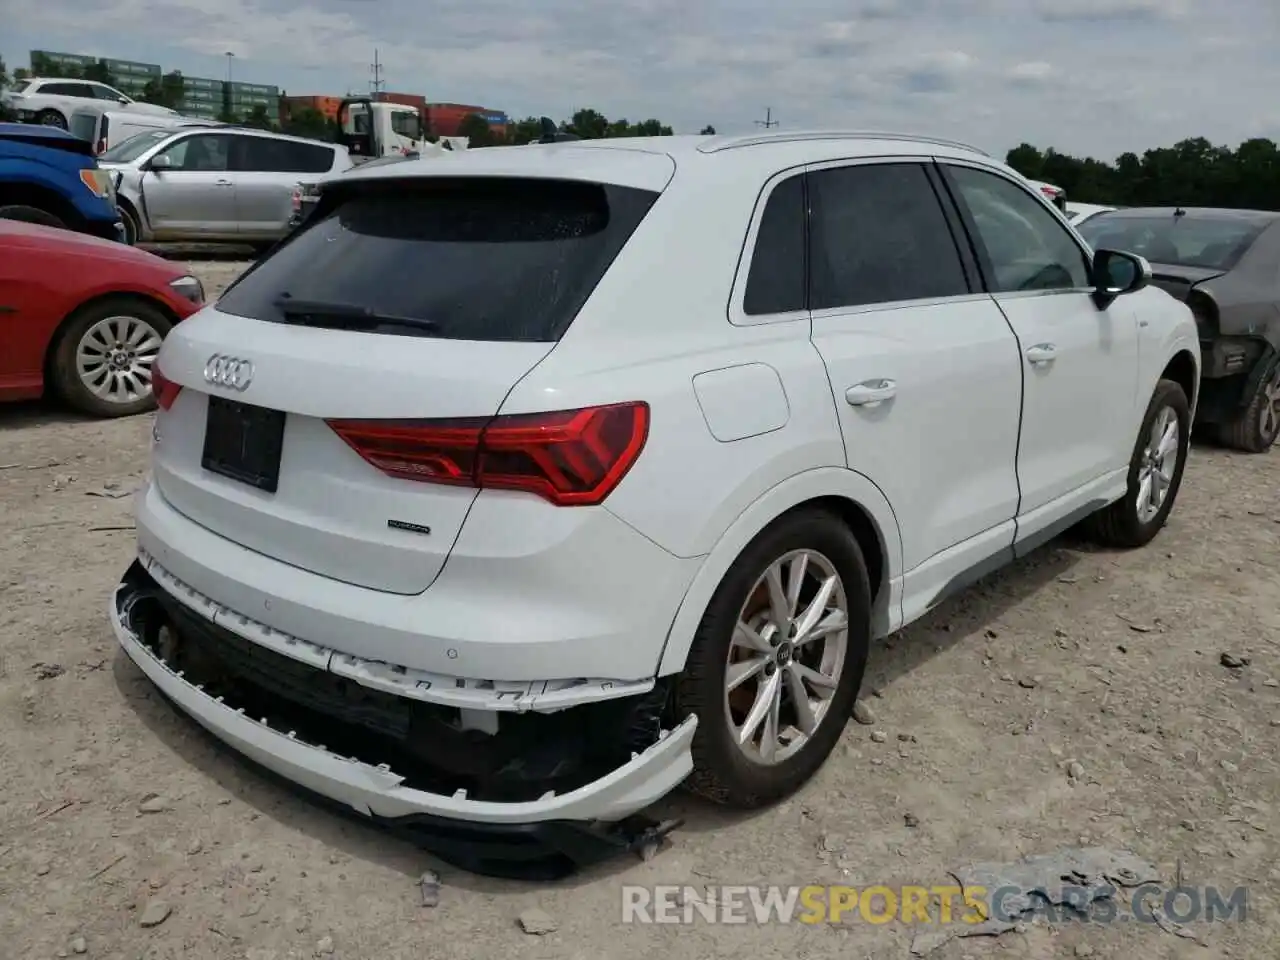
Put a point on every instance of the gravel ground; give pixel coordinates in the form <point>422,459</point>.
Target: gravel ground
<point>1078,697</point>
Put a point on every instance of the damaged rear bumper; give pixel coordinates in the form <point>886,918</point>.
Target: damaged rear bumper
<point>574,827</point>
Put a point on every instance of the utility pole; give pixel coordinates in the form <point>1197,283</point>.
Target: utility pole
<point>376,83</point>
<point>768,120</point>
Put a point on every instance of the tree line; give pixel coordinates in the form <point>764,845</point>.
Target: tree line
<point>1192,173</point>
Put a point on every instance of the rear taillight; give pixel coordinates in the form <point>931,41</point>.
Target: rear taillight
<point>101,147</point>
<point>163,389</point>
<point>569,457</point>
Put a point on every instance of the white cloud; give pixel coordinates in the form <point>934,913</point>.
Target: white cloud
<point>1085,76</point>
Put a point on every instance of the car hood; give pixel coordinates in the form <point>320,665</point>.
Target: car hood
<point>15,234</point>
<point>1178,281</point>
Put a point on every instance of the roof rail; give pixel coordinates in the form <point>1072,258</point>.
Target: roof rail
<point>718,144</point>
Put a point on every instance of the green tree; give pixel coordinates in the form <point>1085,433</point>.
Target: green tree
<point>1192,172</point>
<point>4,76</point>
<point>524,131</point>
<point>708,131</point>
<point>307,122</point>
<point>98,73</point>
<point>259,118</point>
<point>476,129</point>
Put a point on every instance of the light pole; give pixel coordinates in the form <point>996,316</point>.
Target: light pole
<point>230,57</point>
<point>226,90</point>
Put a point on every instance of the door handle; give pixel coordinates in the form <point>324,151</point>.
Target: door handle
<point>223,183</point>
<point>869,393</point>
<point>1042,354</point>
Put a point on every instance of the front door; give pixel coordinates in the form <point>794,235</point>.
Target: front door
<point>924,369</point>
<point>194,198</point>
<point>1079,361</point>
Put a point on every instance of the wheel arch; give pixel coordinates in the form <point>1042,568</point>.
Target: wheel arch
<point>60,331</point>
<point>30,193</point>
<point>851,497</point>
<point>1183,369</point>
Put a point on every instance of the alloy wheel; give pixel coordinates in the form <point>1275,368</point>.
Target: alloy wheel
<point>1159,464</point>
<point>114,358</point>
<point>785,658</point>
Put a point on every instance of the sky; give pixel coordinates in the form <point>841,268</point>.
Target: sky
<point>1087,77</point>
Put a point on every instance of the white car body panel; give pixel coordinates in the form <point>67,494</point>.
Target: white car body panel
<point>512,605</point>
<point>33,100</point>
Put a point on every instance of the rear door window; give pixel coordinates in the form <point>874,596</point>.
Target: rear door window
<point>271,155</point>
<point>469,258</point>
<point>879,235</point>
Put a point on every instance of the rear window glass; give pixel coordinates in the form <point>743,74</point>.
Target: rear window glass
<point>1175,241</point>
<point>474,258</point>
<point>83,125</point>
<point>20,85</point>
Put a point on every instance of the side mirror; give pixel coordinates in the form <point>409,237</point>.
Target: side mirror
<point>1116,273</point>
<point>122,99</point>
<point>162,162</point>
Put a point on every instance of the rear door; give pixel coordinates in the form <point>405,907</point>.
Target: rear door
<point>195,198</point>
<point>266,171</point>
<point>924,369</point>
<point>497,269</point>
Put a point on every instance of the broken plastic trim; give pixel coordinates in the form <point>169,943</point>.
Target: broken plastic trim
<point>545,696</point>
<point>536,849</point>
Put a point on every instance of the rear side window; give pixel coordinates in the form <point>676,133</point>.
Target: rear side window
<point>776,283</point>
<point>469,258</point>
<point>879,235</point>
<point>269,155</point>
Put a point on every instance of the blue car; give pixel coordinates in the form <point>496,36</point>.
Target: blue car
<point>50,177</point>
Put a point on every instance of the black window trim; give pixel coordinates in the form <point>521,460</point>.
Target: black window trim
<point>979,250</point>
<point>736,309</point>
<point>976,289</point>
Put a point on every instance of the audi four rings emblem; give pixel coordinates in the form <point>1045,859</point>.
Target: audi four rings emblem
<point>225,371</point>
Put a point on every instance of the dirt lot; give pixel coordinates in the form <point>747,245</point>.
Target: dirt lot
<point>1113,661</point>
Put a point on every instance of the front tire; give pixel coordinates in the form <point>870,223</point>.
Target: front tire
<point>777,661</point>
<point>103,358</point>
<point>130,222</point>
<point>1256,429</point>
<point>1155,473</point>
<point>27,214</point>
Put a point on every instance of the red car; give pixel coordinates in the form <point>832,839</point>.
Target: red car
<point>83,317</point>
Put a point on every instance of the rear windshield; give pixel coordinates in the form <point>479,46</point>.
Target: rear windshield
<point>1176,241</point>
<point>474,258</point>
<point>20,85</point>
<point>135,146</point>
<point>84,126</point>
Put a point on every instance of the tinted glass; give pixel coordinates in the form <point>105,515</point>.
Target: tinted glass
<point>135,146</point>
<point>1176,241</point>
<point>406,124</point>
<point>64,89</point>
<point>776,283</point>
<point>105,93</point>
<point>480,258</point>
<point>205,153</point>
<point>271,155</point>
<point>84,126</point>
<point>1027,247</point>
<point>878,235</point>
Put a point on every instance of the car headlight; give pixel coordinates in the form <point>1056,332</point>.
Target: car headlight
<point>100,183</point>
<point>189,287</point>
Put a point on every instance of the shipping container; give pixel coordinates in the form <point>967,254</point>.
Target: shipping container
<point>326,105</point>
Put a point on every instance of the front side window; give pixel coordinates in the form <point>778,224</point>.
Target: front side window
<point>102,92</point>
<point>406,124</point>
<point>878,234</point>
<point>776,282</point>
<point>206,153</point>
<point>1026,247</point>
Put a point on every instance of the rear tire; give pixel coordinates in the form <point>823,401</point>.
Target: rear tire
<point>727,770</point>
<point>26,214</point>
<point>1256,429</point>
<point>1135,519</point>
<point>87,363</point>
<point>51,118</point>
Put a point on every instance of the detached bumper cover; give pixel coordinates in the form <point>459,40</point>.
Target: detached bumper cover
<point>579,826</point>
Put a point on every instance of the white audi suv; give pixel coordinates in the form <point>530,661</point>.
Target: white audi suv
<point>518,488</point>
